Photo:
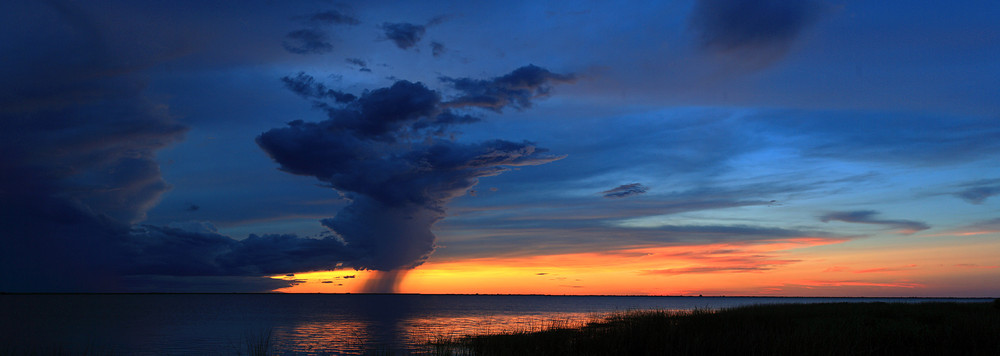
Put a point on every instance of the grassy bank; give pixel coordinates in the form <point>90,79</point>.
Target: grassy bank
<point>788,329</point>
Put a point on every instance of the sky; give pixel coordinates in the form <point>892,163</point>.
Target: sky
<point>692,147</point>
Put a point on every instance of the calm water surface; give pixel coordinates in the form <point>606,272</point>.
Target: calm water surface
<point>305,324</point>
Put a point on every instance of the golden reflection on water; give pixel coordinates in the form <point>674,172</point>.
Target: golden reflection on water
<point>345,337</point>
<point>356,337</point>
<point>422,330</point>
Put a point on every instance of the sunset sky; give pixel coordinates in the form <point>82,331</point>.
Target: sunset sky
<point>714,147</point>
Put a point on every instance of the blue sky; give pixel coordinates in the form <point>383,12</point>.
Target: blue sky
<point>872,125</point>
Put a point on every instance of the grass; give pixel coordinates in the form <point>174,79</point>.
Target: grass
<point>788,329</point>
<point>257,344</point>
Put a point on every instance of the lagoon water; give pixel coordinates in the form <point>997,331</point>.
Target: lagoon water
<point>306,324</point>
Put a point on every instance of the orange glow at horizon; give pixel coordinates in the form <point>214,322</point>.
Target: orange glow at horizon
<point>789,267</point>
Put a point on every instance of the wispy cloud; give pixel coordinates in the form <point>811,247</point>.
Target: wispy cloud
<point>869,217</point>
<point>978,191</point>
<point>625,190</point>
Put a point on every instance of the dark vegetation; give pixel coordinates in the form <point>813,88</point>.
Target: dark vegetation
<point>788,329</point>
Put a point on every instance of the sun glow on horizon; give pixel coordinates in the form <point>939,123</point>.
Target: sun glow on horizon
<point>786,267</point>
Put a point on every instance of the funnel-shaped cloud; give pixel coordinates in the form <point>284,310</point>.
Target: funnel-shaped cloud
<point>389,153</point>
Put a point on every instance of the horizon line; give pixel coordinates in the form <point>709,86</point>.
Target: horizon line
<point>496,294</point>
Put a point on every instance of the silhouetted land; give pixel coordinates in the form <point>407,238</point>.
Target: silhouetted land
<point>782,329</point>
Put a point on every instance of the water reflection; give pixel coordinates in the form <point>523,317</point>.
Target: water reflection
<point>345,337</point>
<point>197,324</point>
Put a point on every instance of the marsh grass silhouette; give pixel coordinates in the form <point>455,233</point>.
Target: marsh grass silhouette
<point>788,329</point>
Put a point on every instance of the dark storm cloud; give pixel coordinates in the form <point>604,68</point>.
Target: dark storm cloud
<point>625,190</point>
<point>738,24</point>
<point>516,90</point>
<point>160,250</point>
<point>387,153</point>
<point>307,41</point>
<point>977,192</point>
<point>404,35</point>
<point>869,217</point>
<point>79,141</point>
<point>329,17</point>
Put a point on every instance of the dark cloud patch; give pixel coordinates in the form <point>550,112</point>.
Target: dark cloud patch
<point>404,35</point>
<point>329,17</point>
<point>357,61</point>
<point>977,195</point>
<point>752,33</point>
<point>387,152</point>
<point>977,192</point>
<point>438,49</point>
<point>738,24</point>
<point>307,41</point>
<point>869,217</point>
<point>437,20</point>
<point>307,87</point>
<point>360,63</point>
<point>625,190</point>
<point>315,40</point>
<point>517,89</point>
